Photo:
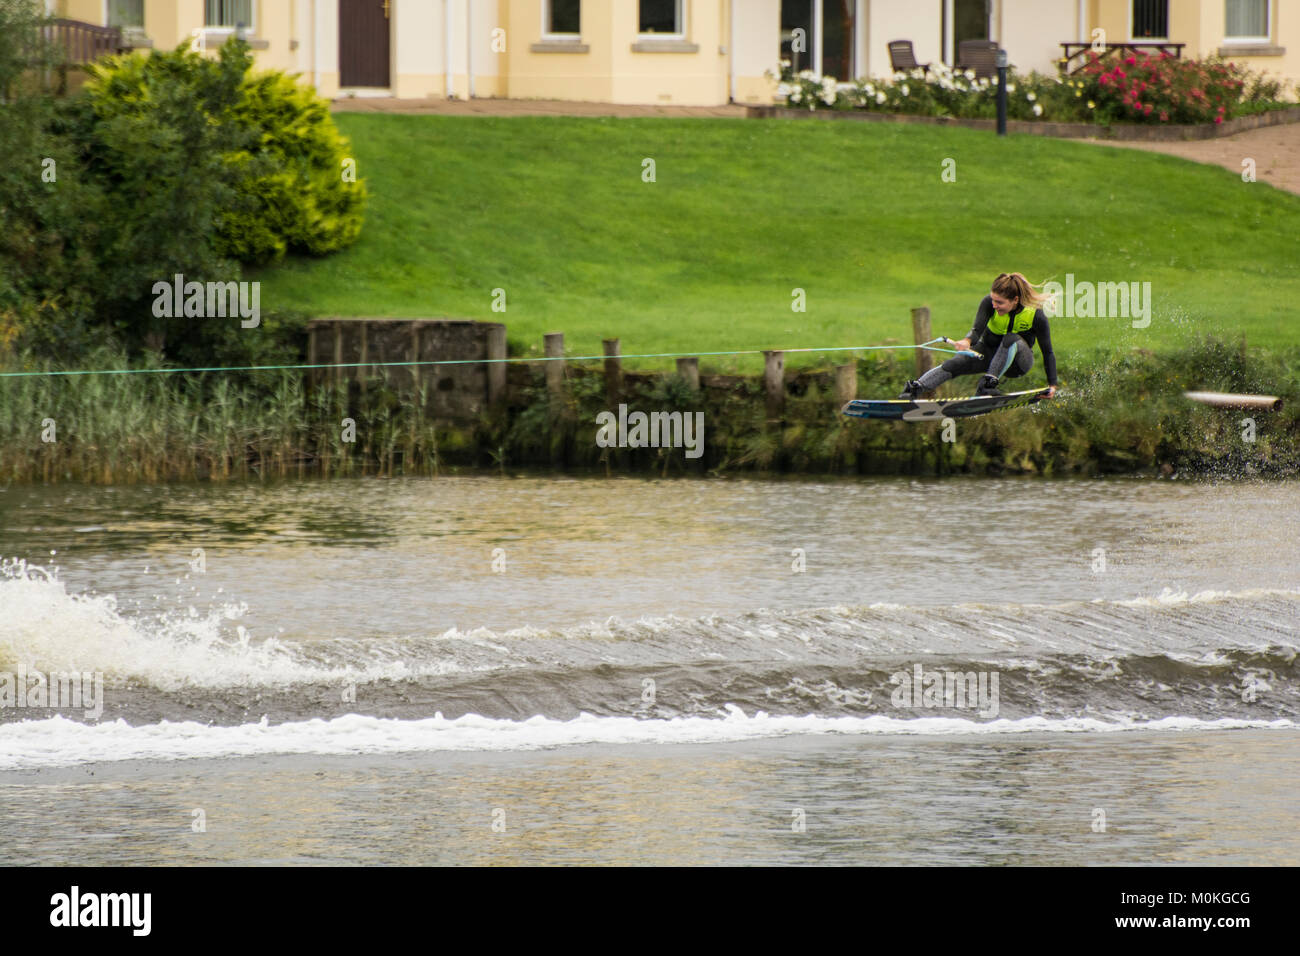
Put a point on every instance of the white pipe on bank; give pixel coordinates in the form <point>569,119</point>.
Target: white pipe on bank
<point>315,45</point>
<point>446,53</point>
<point>469,48</point>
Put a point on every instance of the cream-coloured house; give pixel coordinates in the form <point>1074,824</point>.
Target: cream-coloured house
<point>684,52</point>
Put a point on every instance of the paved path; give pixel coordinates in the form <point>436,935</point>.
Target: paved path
<point>508,107</point>
<point>1275,149</point>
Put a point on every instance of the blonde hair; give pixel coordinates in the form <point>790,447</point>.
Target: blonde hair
<point>1011,285</point>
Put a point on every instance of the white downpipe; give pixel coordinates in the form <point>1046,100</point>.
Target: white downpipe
<point>315,45</point>
<point>731,51</point>
<point>1083,21</point>
<point>818,21</point>
<point>950,31</point>
<point>446,53</point>
<point>469,47</point>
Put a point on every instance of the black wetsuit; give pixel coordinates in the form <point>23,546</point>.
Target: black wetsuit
<point>1010,355</point>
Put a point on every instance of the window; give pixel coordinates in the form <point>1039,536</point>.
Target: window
<point>228,13</point>
<point>126,13</point>
<point>661,16</point>
<point>1247,21</point>
<point>1150,19</point>
<point>564,16</point>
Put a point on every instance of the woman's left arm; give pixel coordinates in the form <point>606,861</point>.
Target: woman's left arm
<point>1043,332</point>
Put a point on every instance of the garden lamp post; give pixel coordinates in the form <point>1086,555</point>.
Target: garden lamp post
<point>1001,61</point>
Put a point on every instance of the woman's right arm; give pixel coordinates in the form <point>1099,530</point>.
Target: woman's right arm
<point>982,315</point>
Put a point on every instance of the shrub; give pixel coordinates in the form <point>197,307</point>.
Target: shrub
<point>1139,88</point>
<point>1165,89</point>
<point>295,196</point>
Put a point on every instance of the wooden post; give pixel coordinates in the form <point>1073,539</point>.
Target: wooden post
<point>338,353</point>
<point>363,372</point>
<point>312,374</point>
<point>613,373</point>
<point>846,383</point>
<point>415,357</point>
<point>920,335</point>
<point>689,369</point>
<point>554,369</point>
<point>496,370</point>
<point>774,382</point>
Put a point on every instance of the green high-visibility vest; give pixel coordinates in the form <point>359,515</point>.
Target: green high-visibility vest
<point>1022,322</point>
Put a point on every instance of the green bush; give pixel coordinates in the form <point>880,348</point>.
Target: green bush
<point>163,164</point>
<point>291,175</point>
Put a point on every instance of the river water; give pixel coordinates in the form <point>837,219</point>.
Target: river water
<point>591,670</point>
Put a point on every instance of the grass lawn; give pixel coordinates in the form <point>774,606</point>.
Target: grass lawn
<point>555,212</point>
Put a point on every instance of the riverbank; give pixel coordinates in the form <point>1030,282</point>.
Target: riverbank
<point>1120,412</point>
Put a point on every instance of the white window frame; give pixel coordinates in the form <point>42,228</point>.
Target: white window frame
<point>229,31</point>
<point>549,37</point>
<point>105,15</point>
<point>1249,41</point>
<point>1163,39</point>
<point>681,21</point>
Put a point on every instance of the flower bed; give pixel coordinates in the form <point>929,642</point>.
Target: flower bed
<point>1137,89</point>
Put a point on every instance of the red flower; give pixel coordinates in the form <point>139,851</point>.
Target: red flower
<point>1104,79</point>
<point>1218,119</point>
<point>1131,61</point>
<point>1147,109</point>
<point>1164,117</point>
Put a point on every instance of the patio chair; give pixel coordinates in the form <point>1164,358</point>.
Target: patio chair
<point>902,58</point>
<point>978,55</point>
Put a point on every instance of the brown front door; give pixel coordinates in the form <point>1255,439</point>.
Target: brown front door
<point>363,42</point>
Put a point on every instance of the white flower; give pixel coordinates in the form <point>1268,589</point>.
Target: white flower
<point>796,95</point>
<point>1011,87</point>
<point>869,89</point>
<point>785,62</point>
<point>880,98</point>
<point>1038,109</point>
<point>1031,97</point>
<point>970,74</point>
<point>1091,105</point>
<point>783,89</point>
<point>906,91</point>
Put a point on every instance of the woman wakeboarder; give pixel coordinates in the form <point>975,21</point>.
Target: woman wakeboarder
<point>1007,324</point>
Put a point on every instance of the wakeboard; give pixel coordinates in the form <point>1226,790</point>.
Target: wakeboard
<point>920,410</point>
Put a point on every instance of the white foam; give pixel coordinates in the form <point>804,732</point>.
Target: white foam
<point>45,628</point>
<point>61,742</point>
<point>1170,598</point>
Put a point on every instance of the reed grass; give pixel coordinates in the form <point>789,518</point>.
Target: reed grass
<point>1119,412</point>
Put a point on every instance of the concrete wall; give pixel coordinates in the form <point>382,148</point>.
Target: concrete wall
<point>452,392</point>
<point>755,43</point>
<point>1032,32</point>
<point>612,63</point>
